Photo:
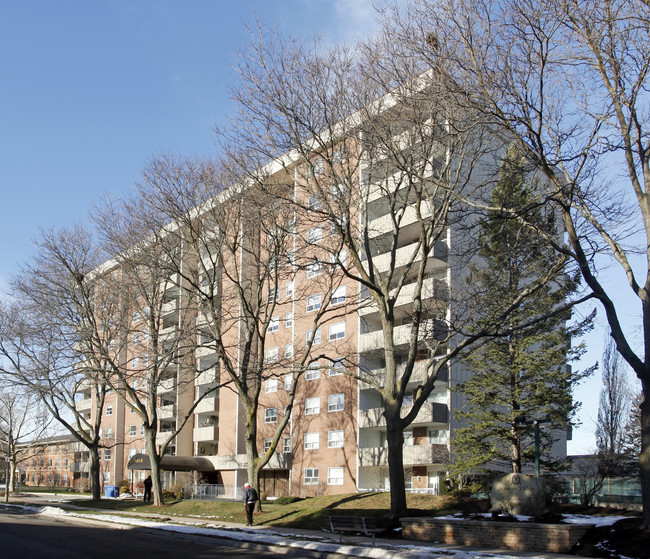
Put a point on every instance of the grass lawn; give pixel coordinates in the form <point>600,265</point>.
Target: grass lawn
<point>308,513</point>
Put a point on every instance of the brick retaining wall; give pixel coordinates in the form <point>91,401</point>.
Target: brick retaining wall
<point>520,536</point>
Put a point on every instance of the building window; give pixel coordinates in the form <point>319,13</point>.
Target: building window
<point>271,415</point>
<point>288,381</point>
<point>338,296</point>
<point>142,429</point>
<point>108,433</point>
<point>313,269</point>
<point>335,439</point>
<point>131,452</point>
<point>274,294</point>
<point>135,362</point>
<point>337,261</point>
<point>334,476</point>
<point>311,476</point>
<point>131,410</point>
<point>316,336</point>
<point>314,302</point>
<point>288,351</point>
<point>312,406</point>
<point>107,477</point>
<point>311,441</point>
<point>272,354</point>
<point>136,316</point>
<point>107,454</point>
<point>313,371</point>
<point>337,367</point>
<point>271,385</point>
<point>337,331</point>
<point>133,430</point>
<point>313,203</point>
<point>291,260</point>
<point>335,402</point>
<point>136,339</point>
<point>288,290</point>
<point>314,235</point>
<point>286,445</point>
<point>267,444</point>
<point>109,410</point>
<point>274,325</point>
<point>288,320</point>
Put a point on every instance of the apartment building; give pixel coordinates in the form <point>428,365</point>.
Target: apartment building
<point>53,462</point>
<point>316,312</point>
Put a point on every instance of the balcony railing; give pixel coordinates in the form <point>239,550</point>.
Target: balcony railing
<point>432,412</point>
<point>418,375</point>
<point>207,405</point>
<point>208,433</point>
<point>414,455</point>
<point>80,467</point>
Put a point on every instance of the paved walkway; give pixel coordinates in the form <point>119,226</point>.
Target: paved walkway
<point>291,534</point>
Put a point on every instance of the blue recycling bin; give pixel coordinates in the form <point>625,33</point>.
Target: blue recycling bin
<point>111,491</point>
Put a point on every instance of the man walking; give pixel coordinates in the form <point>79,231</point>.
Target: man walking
<point>147,489</point>
<point>250,498</point>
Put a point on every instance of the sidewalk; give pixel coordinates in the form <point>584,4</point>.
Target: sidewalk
<point>314,543</point>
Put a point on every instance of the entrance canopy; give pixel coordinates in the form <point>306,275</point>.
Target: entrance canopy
<point>172,463</point>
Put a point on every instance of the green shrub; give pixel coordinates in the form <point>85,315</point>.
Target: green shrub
<point>287,500</point>
<point>168,495</point>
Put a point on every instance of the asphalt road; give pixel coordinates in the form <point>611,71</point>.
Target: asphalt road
<point>28,536</point>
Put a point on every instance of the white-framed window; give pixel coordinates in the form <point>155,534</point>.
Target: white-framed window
<point>143,450</point>
<point>272,354</point>
<point>136,339</point>
<point>315,335</point>
<point>438,436</point>
<point>271,415</point>
<point>311,441</point>
<point>337,367</point>
<point>109,410</point>
<point>313,269</point>
<point>288,320</point>
<point>107,477</point>
<point>291,259</point>
<point>288,351</point>
<point>108,432</point>
<point>310,476</point>
<point>288,381</point>
<point>336,402</point>
<point>136,316</point>
<point>111,345</point>
<point>274,294</point>
<point>335,439</point>
<point>274,324</point>
<point>337,331</point>
<point>131,410</point>
<point>313,203</point>
<point>135,362</point>
<point>312,406</point>
<point>288,289</point>
<point>107,453</point>
<point>133,430</point>
<point>318,166</point>
<point>338,296</point>
<point>142,429</point>
<point>271,385</point>
<point>314,302</point>
<point>313,371</point>
<point>131,452</point>
<point>267,444</point>
<point>286,445</point>
<point>338,261</point>
<point>315,234</point>
<point>334,476</point>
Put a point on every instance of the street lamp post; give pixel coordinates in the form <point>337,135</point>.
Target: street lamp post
<point>536,423</point>
<point>6,479</point>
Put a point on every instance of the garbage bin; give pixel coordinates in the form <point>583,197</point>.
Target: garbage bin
<point>111,491</point>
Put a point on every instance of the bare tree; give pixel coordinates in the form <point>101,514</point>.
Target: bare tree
<point>613,410</point>
<point>567,81</point>
<point>22,422</point>
<point>48,334</point>
<point>238,253</point>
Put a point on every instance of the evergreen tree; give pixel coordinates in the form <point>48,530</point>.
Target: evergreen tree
<point>522,374</point>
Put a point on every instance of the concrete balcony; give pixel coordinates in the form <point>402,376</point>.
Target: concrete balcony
<point>405,255</point>
<point>80,467</point>
<point>204,351</point>
<point>84,405</point>
<point>414,455</point>
<point>433,412</point>
<point>208,405</point>
<point>206,377</point>
<point>207,434</point>
<point>167,412</point>
<point>162,438</point>
<point>374,340</point>
<point>279,461</point>
<point>384,224</point>
<point>431,289</point>
<point>167,385</point>
<point>418,375</point>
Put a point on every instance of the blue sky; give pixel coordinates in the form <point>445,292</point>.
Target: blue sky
<point>89,90</point>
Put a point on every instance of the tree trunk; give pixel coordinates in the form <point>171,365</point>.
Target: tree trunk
<point>395,463</point>
<point>644,457</point>
<point>156,488</point>
<point>94,473</point>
